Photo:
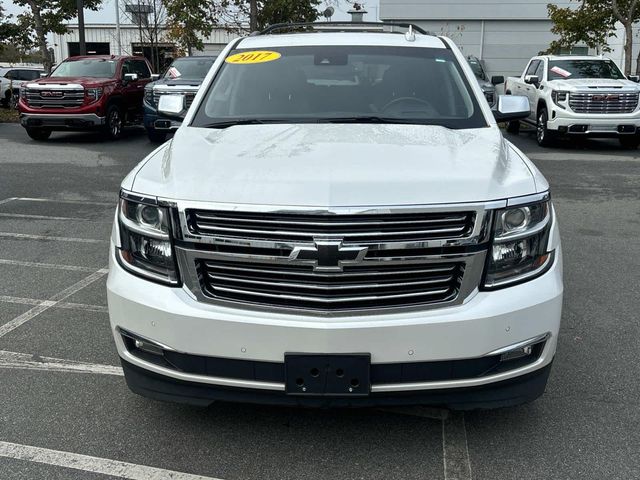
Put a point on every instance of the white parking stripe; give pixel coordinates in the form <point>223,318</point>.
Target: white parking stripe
<point>25,361</point>
<point>7,200</point>
<point>65,305</point>
<point>55,299</point>
<point>28,236</point>
<point>48,217</point>
<point>457,465</point>
<point>55,200</point>
<point>86,463</point>
<point>55,266</point>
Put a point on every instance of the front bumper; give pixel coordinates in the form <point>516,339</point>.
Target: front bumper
<point>570,123</point>
<point>154,121</point>
<point>485,323</point>
<point>63,120</point>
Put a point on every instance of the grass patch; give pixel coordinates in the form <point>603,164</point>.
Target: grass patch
<point>8,115</point>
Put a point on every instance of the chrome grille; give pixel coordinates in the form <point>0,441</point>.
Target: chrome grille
<point>54,98</point>
<point>603,102</point>
<point>189,95</point>
<point>350,228</point>
<point>357,287</point>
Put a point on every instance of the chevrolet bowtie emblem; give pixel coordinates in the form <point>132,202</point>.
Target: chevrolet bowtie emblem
<point>327,255</point>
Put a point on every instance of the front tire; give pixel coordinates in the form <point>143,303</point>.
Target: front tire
<point>632,142</point>
<point>155,136</point>
<point>39,134</point>
<point>543,135</point>
<point>113,123</point>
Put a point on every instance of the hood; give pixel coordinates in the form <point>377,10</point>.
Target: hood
<point>85,81</point>
<point>593,84</point>
<point>171,82</point>
<point>334,165</point>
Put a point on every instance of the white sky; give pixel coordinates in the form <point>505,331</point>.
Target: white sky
<point>107,13</point>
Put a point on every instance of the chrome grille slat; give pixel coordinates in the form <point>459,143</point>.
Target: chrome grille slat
<point>38,98</point>
<point>603,102</point>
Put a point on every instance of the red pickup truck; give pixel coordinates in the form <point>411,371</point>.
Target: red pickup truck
<point>84,93</point>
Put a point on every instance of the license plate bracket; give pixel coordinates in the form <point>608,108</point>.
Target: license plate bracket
<point>327,374</point>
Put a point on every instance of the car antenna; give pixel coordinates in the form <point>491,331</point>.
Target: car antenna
<point>410,36</point>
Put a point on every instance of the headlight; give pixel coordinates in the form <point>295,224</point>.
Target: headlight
<point>519,248</point>
<point>93,94</point>
<point>148,97</point>
<point>145,236</point>
<point>559,96</point>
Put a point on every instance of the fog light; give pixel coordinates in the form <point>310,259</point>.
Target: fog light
<point>517,353</point>
<point>148,347</point>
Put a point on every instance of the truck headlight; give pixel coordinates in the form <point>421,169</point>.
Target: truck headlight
<point>145,236</point>
<point>149,98</point>
<point>559,96</point>
<point>93,94</point>
<point>519,248</point>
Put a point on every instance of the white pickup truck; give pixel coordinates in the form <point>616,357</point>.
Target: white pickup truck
<point>581,96</point>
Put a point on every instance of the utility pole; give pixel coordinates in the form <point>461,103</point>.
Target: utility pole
<point>82,44</point>
<point>118,38</point>
<point>253,15</point>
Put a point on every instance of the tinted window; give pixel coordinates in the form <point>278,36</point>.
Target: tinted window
<point>94,67</point>
<point>330,83</point>
<point>569,69</point>
<point>29,74</point>
<point>533,66</point>
<point>12,75</point>
<point>189,68</point>
<point>140,67</point>
<point>476,66</point>
<point>540,71</point>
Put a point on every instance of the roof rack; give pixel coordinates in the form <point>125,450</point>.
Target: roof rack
<point>352,26</point>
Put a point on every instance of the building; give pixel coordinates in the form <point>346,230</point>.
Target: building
<point>102,39</point>
<point>503,33</point>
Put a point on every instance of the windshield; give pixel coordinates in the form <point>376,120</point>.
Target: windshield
<point>93,67</point>
<point>341,83</point>
<point>568,69</point>
<point>189,68</point>
<point>477,68</point>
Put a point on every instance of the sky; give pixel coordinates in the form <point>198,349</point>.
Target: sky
<point>107,13</point>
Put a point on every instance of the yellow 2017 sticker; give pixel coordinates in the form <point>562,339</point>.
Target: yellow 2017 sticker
<point>255,56</point>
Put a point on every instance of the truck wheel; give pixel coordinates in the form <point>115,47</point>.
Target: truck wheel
<point>543,135</point>
<point>513,127</point>
<point>631,142</point>
<point>113,123</point>
<point>39,134</point>
<point>155,136</point>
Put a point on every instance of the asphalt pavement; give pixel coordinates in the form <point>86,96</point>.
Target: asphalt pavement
<point>66,413</point>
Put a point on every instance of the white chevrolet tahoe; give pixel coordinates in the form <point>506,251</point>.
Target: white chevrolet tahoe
<point>337,222</point>
<point>578,96</point>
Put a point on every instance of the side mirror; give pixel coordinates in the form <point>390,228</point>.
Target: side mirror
<point>531,79</point>
<point>130,77</point>
<point>634,78</point>
<point>155,76</point>
<point>511,107</point>
<point>497,79</point>
<point>171,105</point>
<point>43,75</point>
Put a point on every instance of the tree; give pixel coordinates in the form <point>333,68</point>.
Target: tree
<point>270,12</point>
<point>45,16</point>
<point>593,22</point>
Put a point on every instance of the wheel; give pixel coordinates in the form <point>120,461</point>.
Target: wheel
<point>543,135</point>
<point>13,101</point>
<point>156,136</point>
<point>113,123</point>
<point>39,134</point>
<point>513,127</point>
<point>632,141</point>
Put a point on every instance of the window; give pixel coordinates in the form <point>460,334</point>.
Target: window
<point>140,67</point>
<point>94,67</point>
<point>540,71</point>
<point>330,83</point>
<point>559,69</point>
<point>12,75</point>
<point>533,66</point>
<point>192,68</point>
<point>29,74</point>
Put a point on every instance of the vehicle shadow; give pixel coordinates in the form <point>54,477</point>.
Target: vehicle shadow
<point>128,134</point>
<point>570,143</point>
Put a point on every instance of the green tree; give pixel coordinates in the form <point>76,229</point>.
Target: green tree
<point>270,12</point>
<point>593,22</point>
<point>46,16</point>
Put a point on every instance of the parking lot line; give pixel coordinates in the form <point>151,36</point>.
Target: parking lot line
<point>80,202</point>
<point>7,200</point>
<point>90,464</point>
<point>55,299</point>
<point>28,236</point>
<point>457,465</point>
<point>26,361</point>
<point>64,305</point>
<point>48,217</point>
<point>54,266</point>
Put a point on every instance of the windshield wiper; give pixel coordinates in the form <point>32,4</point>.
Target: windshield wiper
<point>233,123</point>
<point>373,119</point>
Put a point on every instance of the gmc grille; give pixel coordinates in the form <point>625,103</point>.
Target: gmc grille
<point>603,102</point>
<point>44,98</point>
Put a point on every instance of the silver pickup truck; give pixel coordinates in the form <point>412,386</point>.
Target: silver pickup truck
<point>578,96</point>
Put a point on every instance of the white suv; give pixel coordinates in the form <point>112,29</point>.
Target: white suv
<point>338,221</point>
